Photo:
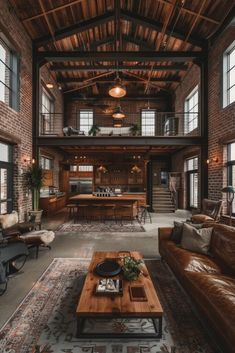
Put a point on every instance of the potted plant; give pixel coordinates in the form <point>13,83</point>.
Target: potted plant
<point>93,130</point>
<point>34,181</point>
<point>131,268</point>
<point>135,129</point>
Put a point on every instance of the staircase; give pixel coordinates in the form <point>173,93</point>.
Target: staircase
<point>161,200</point>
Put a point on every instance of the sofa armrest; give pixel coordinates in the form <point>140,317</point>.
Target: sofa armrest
<point>164,233</point>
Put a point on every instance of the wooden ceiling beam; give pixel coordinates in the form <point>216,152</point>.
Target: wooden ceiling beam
<point>191,12</point>
<point>101,98</point>
<point>157,26</point>
<point>75,28</point>
<point>125,38</point>
<point>103,80</point>
<point>162,35</point>
<point>88,68</point>
<point>58,8</point>
<point>136,56</point>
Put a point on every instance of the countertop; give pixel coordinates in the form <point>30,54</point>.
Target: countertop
<point>90,197</point>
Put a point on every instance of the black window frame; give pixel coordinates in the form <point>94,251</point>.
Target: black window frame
<point>155,121</point>
<point>9,166</point>
<point>190,172</point>
<point>230,164</point>
<point>14,75</point>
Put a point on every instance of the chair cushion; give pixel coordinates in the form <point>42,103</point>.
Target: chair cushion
<point>201,218</point>
<point>8,220</point>
<point>196,240</point>
<point>40,236</point>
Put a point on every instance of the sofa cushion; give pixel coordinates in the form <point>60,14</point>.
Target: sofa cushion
<point>176,234</point>
<point>9,220</point>
<point>197,240</point>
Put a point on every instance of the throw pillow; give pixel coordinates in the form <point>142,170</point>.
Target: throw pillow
<point>197,240</point>
<point>176,234</point>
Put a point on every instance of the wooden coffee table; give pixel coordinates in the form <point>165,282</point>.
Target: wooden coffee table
<point>106,307</point>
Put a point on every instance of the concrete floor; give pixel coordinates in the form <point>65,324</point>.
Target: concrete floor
<point>81,245</point>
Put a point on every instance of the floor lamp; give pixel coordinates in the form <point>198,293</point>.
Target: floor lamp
<point>229,190</point>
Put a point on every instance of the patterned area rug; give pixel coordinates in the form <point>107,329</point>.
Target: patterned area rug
<point>107,227</point>
<point>46,318</point>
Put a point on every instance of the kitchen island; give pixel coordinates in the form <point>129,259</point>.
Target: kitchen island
<point>108,207</point>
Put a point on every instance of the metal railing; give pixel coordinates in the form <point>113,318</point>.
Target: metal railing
<point>162,124</point>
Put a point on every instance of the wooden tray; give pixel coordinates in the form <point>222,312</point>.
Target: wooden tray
<point>137,293</point>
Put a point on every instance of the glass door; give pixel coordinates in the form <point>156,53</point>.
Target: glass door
<point>192,182</point>
<point>193,189</point>
<point>6,178</point>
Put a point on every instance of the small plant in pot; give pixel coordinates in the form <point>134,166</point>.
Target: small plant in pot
<point>33,178</point>
<point>135,129</point>
<point>93,130</point>
<point>131,268</point>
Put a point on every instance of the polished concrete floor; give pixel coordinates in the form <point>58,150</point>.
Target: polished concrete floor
<point>81,245</point>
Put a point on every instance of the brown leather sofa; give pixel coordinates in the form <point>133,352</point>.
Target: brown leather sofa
<point>208,280</point>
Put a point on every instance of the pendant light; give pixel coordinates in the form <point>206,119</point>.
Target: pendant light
<point>117,89</point>
<point>118,113</point>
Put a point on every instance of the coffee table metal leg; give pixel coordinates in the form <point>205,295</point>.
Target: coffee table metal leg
<point>157,323</point>
<point>80,324</point>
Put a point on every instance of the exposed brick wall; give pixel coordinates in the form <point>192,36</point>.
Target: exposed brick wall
<point>16,127</point>
<point>18,124</point>
<point>221,121</point>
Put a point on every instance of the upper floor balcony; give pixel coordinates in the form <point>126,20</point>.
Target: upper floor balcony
<point>160,124</point>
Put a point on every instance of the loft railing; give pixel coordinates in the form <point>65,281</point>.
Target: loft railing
<point>163,124</point>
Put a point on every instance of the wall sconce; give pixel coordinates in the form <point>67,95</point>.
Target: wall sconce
<point>211,160</point>
<point>29,161</point>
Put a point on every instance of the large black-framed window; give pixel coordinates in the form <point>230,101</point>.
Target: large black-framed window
<point>148,122</point>
<point>231,168</point>
<point>6,178</point>
<point>86,118</point>
<point>229,75</point>
<point>47,110</point>
<point>192,182</point>
<point>9,76</point>
<point>191,108</point>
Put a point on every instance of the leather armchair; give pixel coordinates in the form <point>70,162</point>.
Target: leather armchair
<point>211,211</point>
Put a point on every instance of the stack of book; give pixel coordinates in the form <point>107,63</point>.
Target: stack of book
<point>109,286</point>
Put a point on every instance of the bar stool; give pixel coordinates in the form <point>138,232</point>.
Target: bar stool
<point>71,210</point>
<point>82,212</point>
<point>108,207</point>
<point>97,211</point>
<point>145,213</point>
<point>120,213</point>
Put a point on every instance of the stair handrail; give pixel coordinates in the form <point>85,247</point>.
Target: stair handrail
<point>173,190</point>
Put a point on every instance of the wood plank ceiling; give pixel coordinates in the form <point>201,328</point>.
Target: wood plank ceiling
<point>120,25</point>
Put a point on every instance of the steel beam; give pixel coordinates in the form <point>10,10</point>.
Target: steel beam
<point>132,56</point>
<point>86,68</point>
<point>118,141</point>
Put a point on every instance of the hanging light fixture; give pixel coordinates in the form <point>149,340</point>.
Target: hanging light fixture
<point>117,89</point>
<point>118,113</point>
<point>135,169</point>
